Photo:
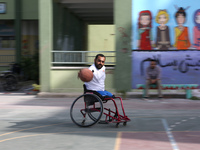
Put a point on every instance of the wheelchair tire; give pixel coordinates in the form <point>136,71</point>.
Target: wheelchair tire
<point>10,83</point>
<point>86,110</point>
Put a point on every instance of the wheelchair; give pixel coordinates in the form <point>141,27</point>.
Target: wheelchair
<point>89,109</point>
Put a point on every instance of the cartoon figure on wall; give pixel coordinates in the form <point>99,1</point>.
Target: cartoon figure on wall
<point>162,36</point>
<point>196,29</point>
<point>181,32</point>
<point>144,30</point>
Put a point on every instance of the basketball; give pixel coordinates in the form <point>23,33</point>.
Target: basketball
<point>85,75</point>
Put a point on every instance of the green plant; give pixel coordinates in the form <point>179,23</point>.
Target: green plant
<point>30,67</point>
<point>195,98</point>
<point>123,94</point>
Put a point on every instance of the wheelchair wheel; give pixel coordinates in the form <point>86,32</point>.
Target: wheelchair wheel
<point>86,110</point>
<point>10,83</point>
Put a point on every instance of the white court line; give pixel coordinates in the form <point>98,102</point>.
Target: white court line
<point>118,141</point>
<point>170,135</point>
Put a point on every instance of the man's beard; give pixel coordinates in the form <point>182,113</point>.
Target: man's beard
<point>98,66</point>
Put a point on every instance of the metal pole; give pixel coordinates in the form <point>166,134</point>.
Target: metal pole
<point>18,30</point>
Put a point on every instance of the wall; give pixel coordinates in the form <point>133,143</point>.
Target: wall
<point>9,15</point>
<point>101,37</point>
<point>123,30</point>
<point>68,29</point>
<point>29,9</point>
<point>67,81</point>
<point>29,37</point>
<point>46,43</point>
<point>10,12</point>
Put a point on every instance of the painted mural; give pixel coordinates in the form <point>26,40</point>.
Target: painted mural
<point>166,25</point>
<point>182,68</point>
<point>168,32</point>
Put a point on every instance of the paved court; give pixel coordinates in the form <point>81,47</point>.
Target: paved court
<point>30,123</point>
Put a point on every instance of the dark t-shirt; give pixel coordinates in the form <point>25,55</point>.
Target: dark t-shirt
<point>153,73</point>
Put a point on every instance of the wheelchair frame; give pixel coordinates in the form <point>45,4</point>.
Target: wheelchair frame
<point>90,110</point>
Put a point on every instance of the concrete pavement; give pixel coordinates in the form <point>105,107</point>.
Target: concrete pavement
<point>29,122</point>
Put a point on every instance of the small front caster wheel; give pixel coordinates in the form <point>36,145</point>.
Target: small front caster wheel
<point>124,123</point>
<point>117,125</point>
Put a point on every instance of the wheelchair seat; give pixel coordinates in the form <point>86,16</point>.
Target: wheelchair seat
<point>96,93</point>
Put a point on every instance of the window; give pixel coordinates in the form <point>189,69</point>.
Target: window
<point>7,35</point>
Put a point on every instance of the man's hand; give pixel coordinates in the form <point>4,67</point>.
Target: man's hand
<point>78,75</point>
<point>153,81</point>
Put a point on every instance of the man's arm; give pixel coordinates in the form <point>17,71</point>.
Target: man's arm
<point>158,76</point>
<point>147,74</point>
<point>159,73</point>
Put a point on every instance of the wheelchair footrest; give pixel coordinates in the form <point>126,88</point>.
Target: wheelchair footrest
<point>103,122</point>
<point>92,109</point>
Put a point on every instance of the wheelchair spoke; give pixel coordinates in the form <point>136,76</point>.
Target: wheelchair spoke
<point>86,110</point>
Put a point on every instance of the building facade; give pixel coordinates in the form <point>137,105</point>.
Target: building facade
<point>65,35</point>
<point>18,30</point>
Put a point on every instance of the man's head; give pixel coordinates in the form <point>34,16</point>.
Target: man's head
<point>153,64</point>
<point>99,61</point>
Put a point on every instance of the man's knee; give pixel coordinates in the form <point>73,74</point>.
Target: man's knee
<point>148,81</point>
<point>158,82</point>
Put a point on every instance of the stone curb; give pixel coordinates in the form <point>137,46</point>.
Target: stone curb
<point>57,95</point>
<point>128,95</point>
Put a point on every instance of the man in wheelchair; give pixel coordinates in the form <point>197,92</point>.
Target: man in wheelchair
<point>98,82</point>
<point>88,108</point>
